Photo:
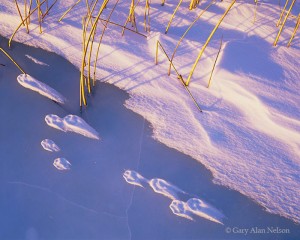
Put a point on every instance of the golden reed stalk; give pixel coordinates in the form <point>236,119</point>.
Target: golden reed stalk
<point>207,41</point>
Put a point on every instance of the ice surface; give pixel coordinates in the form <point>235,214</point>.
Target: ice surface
<point>62,164</point>
<point>30,82</point>
<point>134,178</point>
<point>50,146</point>
<point>36,61</point>
<point>72,123</point>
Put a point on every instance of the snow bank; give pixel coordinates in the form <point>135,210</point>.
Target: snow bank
<point>33,84</point>
<point>62,164</point>
<point>50,146</point>
<point>248,135</point>
<point>72,123</point>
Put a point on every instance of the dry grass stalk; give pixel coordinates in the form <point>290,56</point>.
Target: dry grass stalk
<point>215,63</point>
<point>131,16</point>
<point>158,44</point>
<point>282,12</point>
<point>11,59</point>
<point>18,9</point>
<point>119,25</point>
<point>147,16</point>
<point>173,15</point>
<point>48,9</point>
<point>194,4</point>
<point>85,50</point>
<point>255,10</point>
<point>68,10</point>
<point>283,23</point>
<point>40,14</point>
<point>295,30</point>
<point>207,42</point>
<point>100,41</point>
<point>191,25</point>
<point>25,14</point>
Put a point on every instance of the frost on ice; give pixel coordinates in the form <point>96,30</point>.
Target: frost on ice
<point>62,164</point>
<point>30,82</point>
<point>72,123</point>
<point>36,61</point>
<point>50,146</point>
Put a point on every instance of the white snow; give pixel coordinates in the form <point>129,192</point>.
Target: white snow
<point>165,188</point>
<point>193,206</point>
<point>33,84</point>
<point>203,209</point>
<point>50,146</point>
<point>72,123</point>
<point>36,60</point>
<point>248,135</point>
<point>62,164</point>
<point>180,209</point>
<point>134,178</point>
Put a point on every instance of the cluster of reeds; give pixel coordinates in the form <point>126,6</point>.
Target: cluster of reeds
<point>284,15</point>
<point>30,7</point>
<point>91,36</point>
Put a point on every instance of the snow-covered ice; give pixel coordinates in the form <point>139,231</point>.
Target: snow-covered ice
<point>33,84</point>
<point>72,123</point>
<point>62,164</point>
<point>50,145</point>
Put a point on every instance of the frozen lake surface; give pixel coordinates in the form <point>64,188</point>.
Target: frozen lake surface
<point>92,200</point>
